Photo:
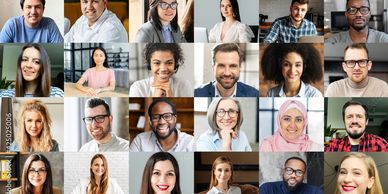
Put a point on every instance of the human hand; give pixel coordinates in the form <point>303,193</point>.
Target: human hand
<point>91,91</point>
<point>162,90</point>
<point>227,135</point>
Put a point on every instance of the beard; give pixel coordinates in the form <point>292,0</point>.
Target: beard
<point>104,133</point>
<point>227,86</point>
<point>171,130</point>
<point>291,187</point>
<point>358,27</point>
<point>355,135</point>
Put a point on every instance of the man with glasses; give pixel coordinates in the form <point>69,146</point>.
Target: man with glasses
<point>293,175</point>
<point>358,14</point>
<point>358,84</point>
<point>97,24</point>
<point>163,136</point>
<point>98,122</point>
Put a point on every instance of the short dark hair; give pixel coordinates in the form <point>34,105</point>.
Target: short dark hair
<point>357,46</point>
<point>236,12</point>
<point>347,1</point>
<point>94,102</point>
<point>274,54</point>
<point>22,3</point>
<point>300,2</point>
<point>296,158</point>
<point>354,103</point>
<point>153,16</point>
<point>227,47</point>
<point>174,48</point>
<point>93,64</point>
<point>159,100</point>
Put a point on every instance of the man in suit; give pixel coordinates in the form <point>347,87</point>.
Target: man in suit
<point>227,60</point>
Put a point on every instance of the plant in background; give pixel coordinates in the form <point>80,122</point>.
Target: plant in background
<point>4,83</point>
<point>329,132</point>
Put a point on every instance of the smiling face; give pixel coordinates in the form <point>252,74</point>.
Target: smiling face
<point>33,12</point>
<point>166,16</point>
<point>298,11</point>
<point>33,123</point>
<point>355,121</point>
<point>33,177</point>
<point>162,66</point>
<point>163,128</point>
<point>292,67</point>
<point>292,180</point>
<point>227,122</point>
<point>98,167</point>
<point>227,68</point>
<point>356,74</point>
<point>93,9</point>
<point>30,64</point>
<point>99,57</point>
<point>226,8</point>
<point>353,177</point>
<point>163,177</point>
<point>222,172</point>
<point>99,131</point>
<point>292,123</point>
<point>358,21</point>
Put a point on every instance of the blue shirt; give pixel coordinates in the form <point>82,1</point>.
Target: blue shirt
<point>15,147</point>
<point>54,92</point>
<point>15,30</point>
<point>282,30</point>
<point>167,34</point>
<point>306,90</point>
<point>210,141</point>
<point>280,187</point>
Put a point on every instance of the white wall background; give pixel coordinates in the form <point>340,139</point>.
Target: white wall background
<point>77,165</point>
<point>139,159</point>
<point>53,9</point>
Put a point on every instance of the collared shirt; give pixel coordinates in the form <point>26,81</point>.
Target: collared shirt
<point>280,187</point>
<point>108,28</point>
<point>231,190</point>
<point>368,143</point>
<point>116,144</point>
<point>306,90</point>
<point>211,141</point>
<point>167,34</point>
<point>217,93</point>
<point>283,30</point>
<point>148,142</point>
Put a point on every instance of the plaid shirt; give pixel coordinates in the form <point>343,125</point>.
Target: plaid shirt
<point>282,30</point>
<point>368,143</point>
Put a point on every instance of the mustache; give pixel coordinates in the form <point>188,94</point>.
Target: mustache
<point>355,124</point>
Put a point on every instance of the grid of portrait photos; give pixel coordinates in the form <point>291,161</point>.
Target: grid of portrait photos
<point>193,96</point>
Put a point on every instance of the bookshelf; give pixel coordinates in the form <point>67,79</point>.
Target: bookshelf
<point>9,170</point>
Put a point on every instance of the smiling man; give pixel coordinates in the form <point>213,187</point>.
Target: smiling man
<point>289,29</point>
<point>163,136</point>
<point>358,14</point>
<point>98,122</point>
<point>358,84</point>
<point>227,60</point>
<point>293,175</point>
<point>31,26</point>
<point>355,117</point>
<point>97,24</point>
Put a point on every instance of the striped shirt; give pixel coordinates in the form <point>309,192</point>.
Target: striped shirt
<point>368,143</point>
<point>54,92</point>
<point>283,31</point>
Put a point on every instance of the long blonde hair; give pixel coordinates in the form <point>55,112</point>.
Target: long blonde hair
<point>45,142</point>
<point>372,172</point>
<point>92,187</point>
<point>217,161</point>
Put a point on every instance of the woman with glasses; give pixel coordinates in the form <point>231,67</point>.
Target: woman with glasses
<point>225,118</point>
<point>290,135</point>
<point>162,25</point>
<point>34,129</point>
<point>163,61</point>
<point>99,181</point>
<point>293,67</point>
<point>230,30</point>
<point>33,74</point>
<point>222,177</point>
<point>37,177</point>
<point>99,76</point>
<point>358,173</point>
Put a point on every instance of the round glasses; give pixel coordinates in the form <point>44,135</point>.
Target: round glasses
<point>165,5</point>
<point>352,63</point>
<point>363,10</point>
<point>98,119</point>
<point>289,171</point>
<point>165,116</point>
<point>232,113</point>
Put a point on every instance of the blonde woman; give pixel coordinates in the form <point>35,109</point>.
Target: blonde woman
<point>222,177</point>
<point>99,181</point>
<point>34,129</point>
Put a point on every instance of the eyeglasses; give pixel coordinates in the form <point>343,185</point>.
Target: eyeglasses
<point>289,171</point>
<point>232,113</point>
<point>165,5</point>
<point>98,119</point>
<point>353,10</point>
<point>39,172</point>
<point>165,116</point>
<point>352,63</point>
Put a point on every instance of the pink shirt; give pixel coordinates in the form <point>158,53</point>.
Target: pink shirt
<point>98,79</point>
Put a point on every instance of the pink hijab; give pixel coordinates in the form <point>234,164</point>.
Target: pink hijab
<point>279,140</point>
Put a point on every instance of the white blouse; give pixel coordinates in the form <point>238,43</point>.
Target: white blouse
<point>113,187</point>
<point>238,33</point>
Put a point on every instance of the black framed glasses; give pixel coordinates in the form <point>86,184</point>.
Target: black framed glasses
<point>289,171</point>
<point>165,116</point>
<point>165,5</point>
<point>98,119</point>
<point>352,63</point>
<point>39,171</point>
<point>232,113</point>
<point>363,10</point>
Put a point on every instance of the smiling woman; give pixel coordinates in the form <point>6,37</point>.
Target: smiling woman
<point>222,177</point>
